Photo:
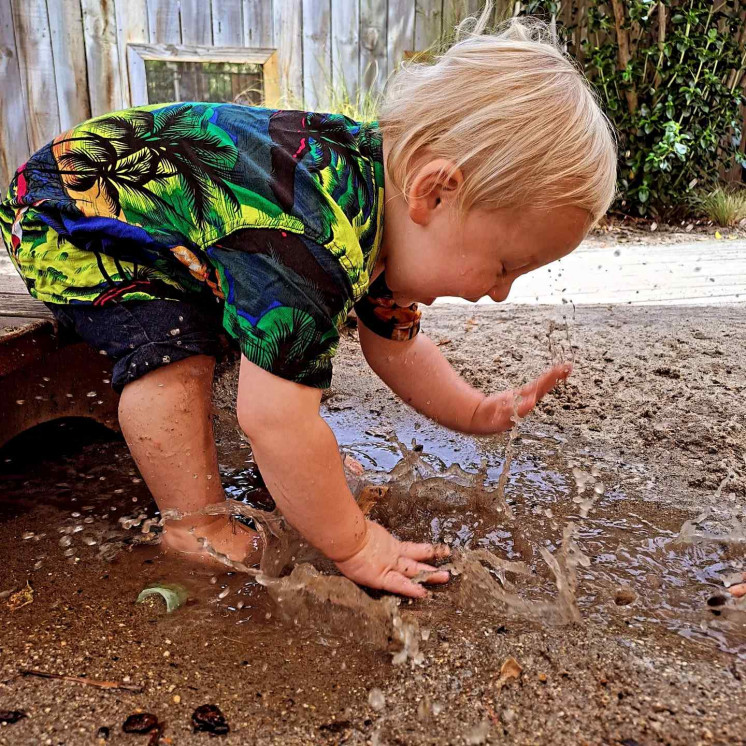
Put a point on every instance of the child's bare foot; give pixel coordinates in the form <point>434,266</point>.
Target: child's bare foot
<point>231,538</point>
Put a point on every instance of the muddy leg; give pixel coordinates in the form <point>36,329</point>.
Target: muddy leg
<point>165,419</point>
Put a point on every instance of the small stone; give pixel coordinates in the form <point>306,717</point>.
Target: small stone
<point>102,733</point>
<point>8,717</point>
<point>376,699</point>
<point>478,735</point>
<point>624,596</point>
<point>177,699</point>
<point>140,722</point>
<point>209,719</point>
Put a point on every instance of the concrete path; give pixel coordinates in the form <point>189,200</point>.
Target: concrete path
<point>699,272</point>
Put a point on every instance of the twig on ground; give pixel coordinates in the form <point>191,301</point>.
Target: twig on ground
<point>81,680</point>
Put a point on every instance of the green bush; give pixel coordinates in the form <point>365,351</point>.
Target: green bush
<point>669,75</point>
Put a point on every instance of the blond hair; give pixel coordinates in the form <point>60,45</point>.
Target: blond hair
<point>513,112</point>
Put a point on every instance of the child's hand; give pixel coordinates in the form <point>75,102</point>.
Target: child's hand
<point>494,413</point>
<point>389,564</point>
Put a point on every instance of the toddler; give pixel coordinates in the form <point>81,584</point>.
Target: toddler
<point>149,232</point>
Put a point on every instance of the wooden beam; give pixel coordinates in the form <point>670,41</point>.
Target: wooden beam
<point>36,62</point>
<point>14,143</point>
<point>288,25</point>
<point>258,23</point>
<point>71,76</point>
<point>22,304</point>
<point>374,67</point>
<point>102,57</point>
<point>317,52</point>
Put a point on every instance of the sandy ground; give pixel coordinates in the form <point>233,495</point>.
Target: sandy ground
<point>657,400</point>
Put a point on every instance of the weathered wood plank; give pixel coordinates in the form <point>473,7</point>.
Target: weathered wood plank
<point>288,25</point>
<point>227,23</point>
<point>345,47</point>
<point>22,305</point>
<point>258,24</point>
<point>373,53</point>
<point>66,27</point>
<point>164,21</point>
<point>317,52</point>
<point>271,80</point>
<point>14,144</point>
<point>196,22</point>
<point>187,53</point>
<point>138,82</point>
<point>132,27</point>
<point>36,65</point>
<point>102,56</point>
<point>455,11</point>
<point>400,37</point>
<point>428,23</point>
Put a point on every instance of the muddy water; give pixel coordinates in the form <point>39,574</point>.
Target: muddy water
<point>572,538</point>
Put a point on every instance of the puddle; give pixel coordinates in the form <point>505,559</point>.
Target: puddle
<point>570,540</point>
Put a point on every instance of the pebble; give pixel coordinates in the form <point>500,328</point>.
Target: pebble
<point>210,719</point>
<point>624,596</point>
<point>376,699</point>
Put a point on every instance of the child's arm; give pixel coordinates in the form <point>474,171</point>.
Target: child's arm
<point>299,459</point>
<point>419,374</point>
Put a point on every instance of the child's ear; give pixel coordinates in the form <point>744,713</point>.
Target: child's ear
<point>435,183</point>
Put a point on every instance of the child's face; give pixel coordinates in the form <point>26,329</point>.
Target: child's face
<point>431,251</point>
<point>481,255</point>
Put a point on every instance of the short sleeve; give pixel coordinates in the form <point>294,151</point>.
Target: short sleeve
<point>378,311</point>
<point>282,294</point>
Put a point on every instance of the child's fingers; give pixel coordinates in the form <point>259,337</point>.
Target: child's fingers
<point>421,572</point>
<point>538,389</point>
<point>395,582</point>
<point>422,552</point>
<point>738,590</point>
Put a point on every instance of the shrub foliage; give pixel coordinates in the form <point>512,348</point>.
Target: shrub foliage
<point>670,75</point>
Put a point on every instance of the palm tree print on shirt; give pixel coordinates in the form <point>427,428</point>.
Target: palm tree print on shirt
<point>135,160</point>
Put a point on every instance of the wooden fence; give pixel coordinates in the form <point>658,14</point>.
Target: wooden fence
<point>63,61</point>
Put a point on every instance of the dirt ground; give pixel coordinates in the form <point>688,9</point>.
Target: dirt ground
<point>656,402</point>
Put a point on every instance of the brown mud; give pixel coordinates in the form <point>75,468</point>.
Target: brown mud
<point>598,563</point>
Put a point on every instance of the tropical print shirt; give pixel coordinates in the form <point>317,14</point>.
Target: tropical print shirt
<point>277,215</point>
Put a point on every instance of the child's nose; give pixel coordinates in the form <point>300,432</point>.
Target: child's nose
<point>500,292</point>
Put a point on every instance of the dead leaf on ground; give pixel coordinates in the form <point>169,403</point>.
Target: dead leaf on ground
<point>21,598</point>
<point>471,323</point>
<point>511,669</point>
<point>370,496</point>
<point>444,342</point>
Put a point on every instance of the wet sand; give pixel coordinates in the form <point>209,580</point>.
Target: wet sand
<point>655,406</point>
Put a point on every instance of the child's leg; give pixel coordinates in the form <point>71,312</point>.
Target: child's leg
<point>165,419</point>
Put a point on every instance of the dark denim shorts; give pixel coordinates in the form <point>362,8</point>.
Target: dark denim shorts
<point>142,336</point>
